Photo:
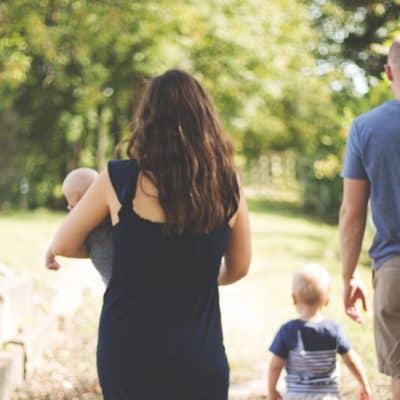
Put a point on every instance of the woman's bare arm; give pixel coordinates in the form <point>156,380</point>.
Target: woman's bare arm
<point>238,254</point>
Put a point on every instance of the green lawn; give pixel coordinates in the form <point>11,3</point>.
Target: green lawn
<point>284,239</point>
<point>24,237</point>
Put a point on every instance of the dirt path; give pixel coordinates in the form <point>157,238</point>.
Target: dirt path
<point>248,329</point>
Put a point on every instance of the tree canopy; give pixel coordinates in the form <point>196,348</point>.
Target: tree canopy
<point>71,72</point>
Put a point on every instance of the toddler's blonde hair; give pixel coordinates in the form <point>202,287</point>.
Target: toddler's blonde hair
<point>311,285</point>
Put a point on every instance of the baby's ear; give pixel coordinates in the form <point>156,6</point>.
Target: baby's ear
<point>294,299</point>
<point>327,300</point>
<point>389,72</point>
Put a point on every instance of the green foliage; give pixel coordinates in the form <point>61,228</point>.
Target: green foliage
<point>356,31</point>
<point>319,170</point>
<point>353,33</point>
<point>78,64</point>
<point>71,71</point>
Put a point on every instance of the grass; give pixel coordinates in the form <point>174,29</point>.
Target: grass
<point>24,237</point>
<point>284,239</point>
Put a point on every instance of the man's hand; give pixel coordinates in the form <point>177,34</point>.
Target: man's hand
<point>354,291</point>
<point>51,262</point>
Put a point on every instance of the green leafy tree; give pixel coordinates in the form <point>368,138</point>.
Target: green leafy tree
<point>72,70</point>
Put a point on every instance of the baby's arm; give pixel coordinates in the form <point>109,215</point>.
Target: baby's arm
<point>275,368</point>
<point>354,364</point>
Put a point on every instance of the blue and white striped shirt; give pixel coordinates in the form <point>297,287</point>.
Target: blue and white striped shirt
<point>309,350</point>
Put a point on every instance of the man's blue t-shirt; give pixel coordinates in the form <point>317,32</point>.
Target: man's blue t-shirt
<point>373,154</point>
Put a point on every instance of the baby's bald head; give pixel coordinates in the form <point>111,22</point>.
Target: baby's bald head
<point>76,183</point>
<point>394,53</point>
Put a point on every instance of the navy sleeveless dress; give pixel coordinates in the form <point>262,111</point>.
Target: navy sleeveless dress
<point>160,334</point>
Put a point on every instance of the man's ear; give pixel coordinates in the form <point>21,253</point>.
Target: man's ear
<point>389,72</point>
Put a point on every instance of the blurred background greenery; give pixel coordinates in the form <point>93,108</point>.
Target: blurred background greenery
<point>287,77</point>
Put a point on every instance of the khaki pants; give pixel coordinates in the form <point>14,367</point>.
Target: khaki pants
<point>386,282</point>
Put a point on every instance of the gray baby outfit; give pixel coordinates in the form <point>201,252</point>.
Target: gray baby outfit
<point>101,249</point>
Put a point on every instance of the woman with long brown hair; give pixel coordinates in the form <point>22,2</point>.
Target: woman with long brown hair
<point>177,210</point>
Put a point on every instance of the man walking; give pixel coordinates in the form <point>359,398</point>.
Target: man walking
<point>372,171</point>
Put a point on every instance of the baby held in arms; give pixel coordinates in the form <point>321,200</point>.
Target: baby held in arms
<point>99,242</point>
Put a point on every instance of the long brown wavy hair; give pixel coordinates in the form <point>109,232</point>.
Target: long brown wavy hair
<point>181,147</point>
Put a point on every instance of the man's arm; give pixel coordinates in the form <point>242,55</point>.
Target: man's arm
<point>353,214</point>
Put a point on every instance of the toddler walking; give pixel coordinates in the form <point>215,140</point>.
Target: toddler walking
<point>306,347</point>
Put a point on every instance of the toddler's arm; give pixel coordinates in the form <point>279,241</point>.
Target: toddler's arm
<point>354,364</point>
<point>275,369</point>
